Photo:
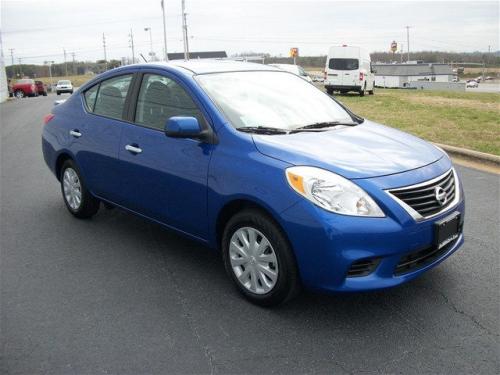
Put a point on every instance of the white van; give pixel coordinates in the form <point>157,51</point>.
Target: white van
<point>349,69</point>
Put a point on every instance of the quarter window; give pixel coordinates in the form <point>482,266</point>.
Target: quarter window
<point>90,96</point>
<point>111,96</point>
<point>161,98</point>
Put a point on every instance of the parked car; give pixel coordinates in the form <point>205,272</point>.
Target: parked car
<point>64,86</point>
<point>349,68</point>
<point>41,88</point>
<point>291,186</point>
<point>24,87</point>
<point>295,69</point>
<point>472,84</point>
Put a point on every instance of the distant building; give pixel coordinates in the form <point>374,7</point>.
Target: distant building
<point>400,75</point>
<point>198,55</point>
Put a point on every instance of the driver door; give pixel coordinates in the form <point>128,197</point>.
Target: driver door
<point>165,178</point>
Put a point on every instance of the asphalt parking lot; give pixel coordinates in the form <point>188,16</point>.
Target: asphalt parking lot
<point>118,294</point>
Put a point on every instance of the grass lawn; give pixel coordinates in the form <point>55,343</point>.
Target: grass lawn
<point>469,120</point>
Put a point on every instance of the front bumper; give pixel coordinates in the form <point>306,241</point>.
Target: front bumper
<point>326,245</point>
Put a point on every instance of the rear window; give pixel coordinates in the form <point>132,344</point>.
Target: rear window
<point>343,64</point>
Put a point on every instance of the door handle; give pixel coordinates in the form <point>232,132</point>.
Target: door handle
<point>133,149</point>
<point>75,133</point>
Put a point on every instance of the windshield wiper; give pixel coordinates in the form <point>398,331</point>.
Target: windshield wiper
<point>262,130</point>
<point>321,125</point>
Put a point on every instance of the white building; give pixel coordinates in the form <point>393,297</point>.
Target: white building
<point>400,75</point>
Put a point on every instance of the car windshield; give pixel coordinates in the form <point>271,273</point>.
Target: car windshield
<point>25,81</point>
<point>269,99</point>
<point>64,83</point>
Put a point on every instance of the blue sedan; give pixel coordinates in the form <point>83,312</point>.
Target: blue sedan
<point>293,188</point>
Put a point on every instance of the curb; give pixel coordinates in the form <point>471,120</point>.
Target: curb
<point>481,157</point>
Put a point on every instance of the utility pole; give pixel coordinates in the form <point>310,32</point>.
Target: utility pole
<point>11,56</point>
<point>73,56</point>
<point>185,30</point>
<point>20,68</point>
<point>50,72</point>
<point>164,31</point>
<point>65,63</point>
<point>12,62</point>
<point>408,41</point>
<point>131,44</point>
<point>151,52</point>
<point>104,47</point>
<point>401,53</point>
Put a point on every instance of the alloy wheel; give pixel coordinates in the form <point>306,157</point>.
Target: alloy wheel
<point>72,189</point>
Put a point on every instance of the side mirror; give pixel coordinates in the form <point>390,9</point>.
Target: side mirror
<point>184,127</point>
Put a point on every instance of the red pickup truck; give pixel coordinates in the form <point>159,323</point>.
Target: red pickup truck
<point>24,87</point>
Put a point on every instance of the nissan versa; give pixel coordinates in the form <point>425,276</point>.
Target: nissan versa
<point>292,187</point>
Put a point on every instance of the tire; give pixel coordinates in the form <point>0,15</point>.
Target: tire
<point>19,94</point>
<point>71,184</point>
<point>58,93</point>
<point>280,260</point>
<point>71,92</point>
<point>362,92</point>
<point>329,91</point>
<point>44,94</point>
<point>372,91</point>
<point>343,92</point>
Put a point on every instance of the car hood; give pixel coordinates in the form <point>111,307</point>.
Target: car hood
<point>362,151</point>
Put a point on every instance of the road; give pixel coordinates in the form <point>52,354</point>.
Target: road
<point>117,294</point>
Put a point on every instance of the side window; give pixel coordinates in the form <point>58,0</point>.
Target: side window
<point>161,98</point>
<point>111,96</point>
<point>90,96</point>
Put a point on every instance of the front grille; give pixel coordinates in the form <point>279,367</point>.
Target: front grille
<point>363,267</point>
<point>422,198</point>
<point>422,258</point>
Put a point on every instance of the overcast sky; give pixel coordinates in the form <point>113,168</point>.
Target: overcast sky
<point>39,30</point>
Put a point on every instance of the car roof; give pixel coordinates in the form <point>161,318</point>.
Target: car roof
<point>206,66</point>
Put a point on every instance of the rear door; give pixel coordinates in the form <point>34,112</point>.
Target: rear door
<point>97,134</point>
<point>343,70</point>
<point>165,178</point>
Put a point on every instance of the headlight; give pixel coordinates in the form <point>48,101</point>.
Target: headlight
<point>332,192</point>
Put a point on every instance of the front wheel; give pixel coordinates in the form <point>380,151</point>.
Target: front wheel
<point>77,198</point>
<point>259,259</point>
<point>329,91</point>
<point>19,94</point>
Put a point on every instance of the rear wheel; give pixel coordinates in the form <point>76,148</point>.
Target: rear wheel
<point>44,93</point>
<point>19,94</point>
<point>362,92</point>
<point>259,259</point>
<point>58,93</point>
<point>372,91</point>
<point>77,198</point>
<point>329,91</point>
